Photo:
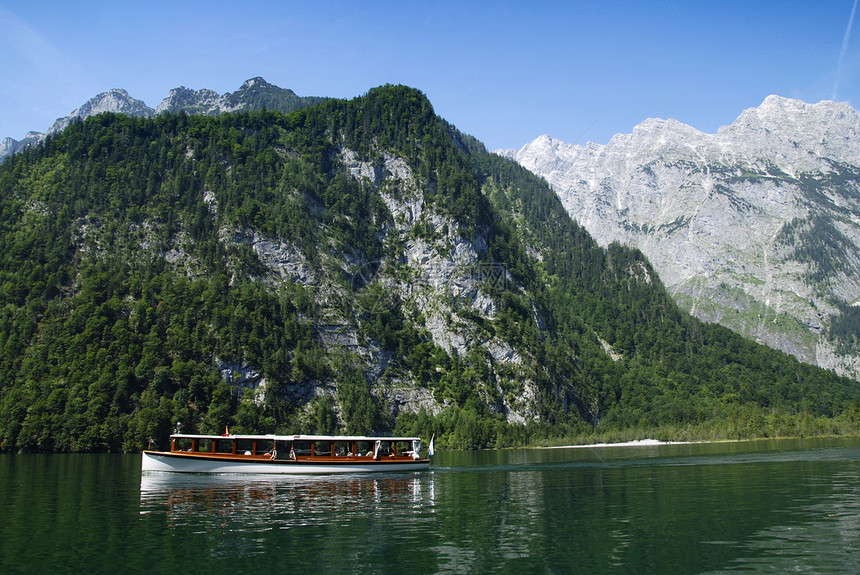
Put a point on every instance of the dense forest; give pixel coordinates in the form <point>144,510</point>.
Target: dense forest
<point>131,288</point>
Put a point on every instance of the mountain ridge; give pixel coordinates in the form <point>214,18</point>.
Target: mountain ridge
<point>733,221</point>
<point>254,94</point>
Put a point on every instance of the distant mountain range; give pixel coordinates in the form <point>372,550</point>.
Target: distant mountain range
<point>254,94</point>
<point>756,227</point>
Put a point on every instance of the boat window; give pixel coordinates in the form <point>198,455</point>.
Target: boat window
<point>244,445</point>
<point>364,448</point>
<point>264,447</point>
<point>204,445</point>
<point>223,446</point>
<point>342,448</point>
<point>322,448</point>
<point>182,444</point>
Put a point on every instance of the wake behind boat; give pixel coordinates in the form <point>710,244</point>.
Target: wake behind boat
<point>309,454</point>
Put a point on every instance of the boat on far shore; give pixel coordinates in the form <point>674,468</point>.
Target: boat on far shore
<point>287,454</point>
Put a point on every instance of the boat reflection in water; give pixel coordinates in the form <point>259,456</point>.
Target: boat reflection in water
<point>159,489</point>
<point>249,513</point>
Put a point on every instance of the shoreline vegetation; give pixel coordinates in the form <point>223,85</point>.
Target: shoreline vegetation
<point>752,425</point>
<point>757,428</point>
<point>648,442</point>
<point>747,423</point>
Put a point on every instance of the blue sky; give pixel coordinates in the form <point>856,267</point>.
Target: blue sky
<point>505,72</point>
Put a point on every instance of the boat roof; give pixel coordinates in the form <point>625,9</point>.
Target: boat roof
<point>272,437</point>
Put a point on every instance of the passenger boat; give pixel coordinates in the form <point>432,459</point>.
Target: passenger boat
<point>316,454</point>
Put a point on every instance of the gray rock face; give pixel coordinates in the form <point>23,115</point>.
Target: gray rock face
<point>756,227</point>
<point>115,101</point>
<point>205,102</point>
<point>436,272</point>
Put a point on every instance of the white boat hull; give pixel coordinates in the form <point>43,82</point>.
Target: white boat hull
<point>180,463</point>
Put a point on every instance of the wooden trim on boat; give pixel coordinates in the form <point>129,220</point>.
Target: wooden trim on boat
<point>320,459</point>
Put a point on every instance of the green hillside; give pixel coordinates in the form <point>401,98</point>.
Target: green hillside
<point>138,289</point>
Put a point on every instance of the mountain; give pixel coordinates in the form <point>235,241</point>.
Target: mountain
<point>116,101</point>
<point>10,145</point>
<point>756,227</point>
<point>355,266</point>
<point>254,94</point>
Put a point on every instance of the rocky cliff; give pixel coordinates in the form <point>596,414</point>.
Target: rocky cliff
<point>756,227</point>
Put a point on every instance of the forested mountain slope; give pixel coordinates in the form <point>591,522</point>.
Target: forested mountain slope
<point>356,266</point>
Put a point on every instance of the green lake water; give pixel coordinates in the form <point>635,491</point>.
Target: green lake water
<point>760,507</point>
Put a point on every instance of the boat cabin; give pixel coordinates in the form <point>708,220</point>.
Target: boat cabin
<point>296,447</point>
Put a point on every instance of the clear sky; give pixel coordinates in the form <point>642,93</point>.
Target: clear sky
<point>505,72</point>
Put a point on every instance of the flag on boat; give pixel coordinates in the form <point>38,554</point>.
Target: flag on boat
<point>430,447</point>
